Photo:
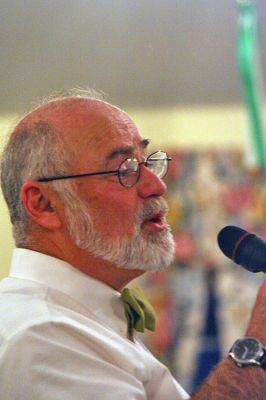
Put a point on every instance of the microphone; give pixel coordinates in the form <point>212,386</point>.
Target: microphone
<point>243,247</point>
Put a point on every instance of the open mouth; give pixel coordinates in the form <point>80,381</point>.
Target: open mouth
<point>155,221</point>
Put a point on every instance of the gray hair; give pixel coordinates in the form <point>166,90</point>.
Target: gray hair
<point>32,152</point>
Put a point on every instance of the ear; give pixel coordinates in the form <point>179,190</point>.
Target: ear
<point>38,200</point>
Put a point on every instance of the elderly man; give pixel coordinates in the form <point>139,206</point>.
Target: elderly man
<point>86,204</point>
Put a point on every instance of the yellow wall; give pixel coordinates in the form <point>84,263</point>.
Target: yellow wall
<point>194,127</point>
<point>216,127</point>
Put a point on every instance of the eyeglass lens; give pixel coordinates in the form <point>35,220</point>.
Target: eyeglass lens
<point>129,170</point>
<point>158,163</point>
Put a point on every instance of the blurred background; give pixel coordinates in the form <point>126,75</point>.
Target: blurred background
<point>172,65</point>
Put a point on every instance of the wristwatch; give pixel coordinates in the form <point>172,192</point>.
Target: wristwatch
<point>248,351</point>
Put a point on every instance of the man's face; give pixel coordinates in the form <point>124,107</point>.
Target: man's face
<point>124,226</point>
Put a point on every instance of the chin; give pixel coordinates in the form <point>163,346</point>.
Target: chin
<point>151,253</point>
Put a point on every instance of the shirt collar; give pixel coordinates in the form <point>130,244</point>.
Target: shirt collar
<point>102,300</point>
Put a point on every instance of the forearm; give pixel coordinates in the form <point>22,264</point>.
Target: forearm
<point>228,381</point>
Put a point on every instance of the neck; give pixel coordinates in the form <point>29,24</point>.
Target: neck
<point>90,265</point>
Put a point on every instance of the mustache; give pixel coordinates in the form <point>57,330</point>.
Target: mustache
<point>152,207</point>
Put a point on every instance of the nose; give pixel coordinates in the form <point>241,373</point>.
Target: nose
<point>149,184</point>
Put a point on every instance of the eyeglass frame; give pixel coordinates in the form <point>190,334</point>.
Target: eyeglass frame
<point>114,172</point>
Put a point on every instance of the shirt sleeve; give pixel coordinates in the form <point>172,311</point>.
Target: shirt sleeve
<point>55,361</point>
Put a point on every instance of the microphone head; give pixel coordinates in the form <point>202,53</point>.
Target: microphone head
<point>243,247</point>
<point>228,237</point>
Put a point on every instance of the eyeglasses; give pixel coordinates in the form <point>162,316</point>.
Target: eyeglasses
<point>129,170</point>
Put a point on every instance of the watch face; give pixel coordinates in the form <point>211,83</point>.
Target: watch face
<point>247,350</point>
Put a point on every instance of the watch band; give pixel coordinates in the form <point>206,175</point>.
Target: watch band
<point>263,360</point>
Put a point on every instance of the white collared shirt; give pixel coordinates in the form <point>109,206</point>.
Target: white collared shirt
<point>63,336</point>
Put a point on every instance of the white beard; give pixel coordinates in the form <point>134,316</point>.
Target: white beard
<point>143,251</point>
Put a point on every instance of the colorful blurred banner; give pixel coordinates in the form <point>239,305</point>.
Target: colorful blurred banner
<point>209,352</point>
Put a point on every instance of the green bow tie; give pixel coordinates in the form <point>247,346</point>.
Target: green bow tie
<point>139,312</point>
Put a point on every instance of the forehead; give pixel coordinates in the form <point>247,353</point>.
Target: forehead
<point>102,132</point>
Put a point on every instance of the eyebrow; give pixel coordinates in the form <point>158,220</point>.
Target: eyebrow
<point>127,151</point>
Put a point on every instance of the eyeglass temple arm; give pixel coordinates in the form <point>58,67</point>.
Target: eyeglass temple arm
<point>56,178</point>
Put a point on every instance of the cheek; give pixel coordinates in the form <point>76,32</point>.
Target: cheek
<point>114,213</point>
